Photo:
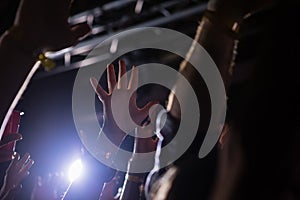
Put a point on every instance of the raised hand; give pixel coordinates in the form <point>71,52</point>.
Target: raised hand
<point>51,187</point>
<point>118,124</point>
<point>15,174</point>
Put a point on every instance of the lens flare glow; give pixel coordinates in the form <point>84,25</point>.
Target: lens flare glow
<point>75,170</point>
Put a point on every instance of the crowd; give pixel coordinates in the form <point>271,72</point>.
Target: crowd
<point>256,156</point>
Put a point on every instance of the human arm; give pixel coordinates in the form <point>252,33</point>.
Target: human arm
<point>38,27</point>
<point>51,187</point>
<point>5,154</point>
<point>116,134</point>
<point>134,182</point>
<point>16,172</point>
<point>142,162</point>
<point>218,33</point>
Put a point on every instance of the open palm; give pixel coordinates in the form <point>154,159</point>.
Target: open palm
<point>119,103</point>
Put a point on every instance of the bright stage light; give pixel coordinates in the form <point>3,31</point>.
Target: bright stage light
<point>75,170</point>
